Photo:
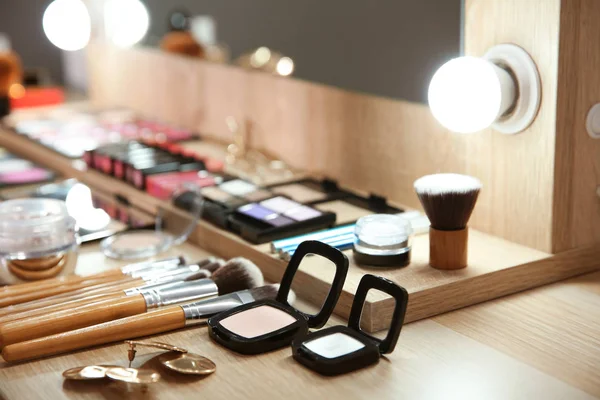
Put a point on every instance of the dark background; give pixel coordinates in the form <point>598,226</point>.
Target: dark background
<point>386,47</point>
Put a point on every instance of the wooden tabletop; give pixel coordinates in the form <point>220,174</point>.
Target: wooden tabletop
<point>540,344</point>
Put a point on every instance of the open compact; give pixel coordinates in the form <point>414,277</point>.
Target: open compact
<point>268,325</point>
<point>172,227</point>
<point>341,349</point>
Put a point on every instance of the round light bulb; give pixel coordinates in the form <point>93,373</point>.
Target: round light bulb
<point>126,21</point>
<point>67,24</point>
<point>465,94</point>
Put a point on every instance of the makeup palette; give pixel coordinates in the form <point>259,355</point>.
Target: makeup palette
<point>16,171</point>
<point>268,325</point>
<point>342,349</point>
<point>270,219</point>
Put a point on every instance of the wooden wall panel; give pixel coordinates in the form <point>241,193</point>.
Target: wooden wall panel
<point>577,170</point>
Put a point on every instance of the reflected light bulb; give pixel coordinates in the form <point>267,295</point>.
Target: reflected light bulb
<point>67,24</point>
<point>468,94</point>
<point>126,21</point>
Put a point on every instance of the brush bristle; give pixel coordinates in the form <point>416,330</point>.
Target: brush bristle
<point>237,274</point>
<point>268,292</point>
<point>201,274</point>
<point>448,199</point>
<point>211,264</point>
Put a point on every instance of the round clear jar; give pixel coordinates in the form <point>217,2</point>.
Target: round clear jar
<point>383,240</point>
<point>38,240</point>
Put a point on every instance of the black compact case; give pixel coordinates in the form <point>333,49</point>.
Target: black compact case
<point>284,336</point>
<point>341,361</point>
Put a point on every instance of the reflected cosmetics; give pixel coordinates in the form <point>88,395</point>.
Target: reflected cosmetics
<point>16,171</point>
<point>268,325</point>
<point>342,349</point>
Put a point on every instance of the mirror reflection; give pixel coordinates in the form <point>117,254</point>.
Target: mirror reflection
<point>388,48</point>
<point>324,269</point>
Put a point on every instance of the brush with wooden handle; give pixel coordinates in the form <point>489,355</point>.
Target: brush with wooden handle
<point>104,292</point>
<point>152,273</point>
<point>448,200</point>
<point>118,273</point>
<point>237,274</point>
<point>158,321</point>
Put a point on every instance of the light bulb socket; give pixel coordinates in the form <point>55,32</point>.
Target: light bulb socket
<point>524,91</point>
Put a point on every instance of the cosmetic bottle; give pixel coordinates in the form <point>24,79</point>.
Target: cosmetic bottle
<point>38,240</point>
<point>10,73</point>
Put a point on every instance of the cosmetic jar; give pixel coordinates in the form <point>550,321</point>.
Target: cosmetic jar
<point>382,240</point>
<point>267,325</point>
<point>341,349</point>
<point>172,227</point>
<point>38,240</point>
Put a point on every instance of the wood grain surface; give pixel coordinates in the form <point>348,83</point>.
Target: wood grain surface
<point>540,344</point>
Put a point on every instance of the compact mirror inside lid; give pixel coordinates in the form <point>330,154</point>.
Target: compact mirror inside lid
<point>398,293</point>
<point>172,227</point>
<point>313,252</point>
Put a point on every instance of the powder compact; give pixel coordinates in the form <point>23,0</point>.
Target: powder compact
<point>38,240</point>
<point>277,217</point>
<point>342,349</point>
<point>172,227</point>
<point>383,240</point>
<point>268,325</point>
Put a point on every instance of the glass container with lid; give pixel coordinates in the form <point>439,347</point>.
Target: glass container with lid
<point>38,240</point>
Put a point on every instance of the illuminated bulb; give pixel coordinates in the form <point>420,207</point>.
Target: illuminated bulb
<point>67,24</point>
<point>285,66</point>
<point>261,57</point>
<point>468,94</point>
<point>126,21</point>
<point>16,91</point>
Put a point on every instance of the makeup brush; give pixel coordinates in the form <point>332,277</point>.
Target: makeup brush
<point>119,273</point>
<point>93,294</point>
<point>448,200</point>
<point>237,274</point>
<point>150,323</point>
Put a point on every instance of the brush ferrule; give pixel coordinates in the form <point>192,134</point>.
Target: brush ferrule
<point>198,312</point>
<point>162,282</point>
<point>186,291</point>
<point>170,272</point>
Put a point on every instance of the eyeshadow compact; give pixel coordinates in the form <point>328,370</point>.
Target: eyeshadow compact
<point>277,217</point>
<point>268,325</point>
<point>342,349</point>
<point>172,227</point>
<point>225,198</point>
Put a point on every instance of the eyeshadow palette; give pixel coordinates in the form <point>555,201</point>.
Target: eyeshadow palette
<point>277,217</point>
<point>74,132</point>
<point>16,171</point>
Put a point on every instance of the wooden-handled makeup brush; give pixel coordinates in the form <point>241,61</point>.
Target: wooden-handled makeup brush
<point>237,274</point>
<point>67,301</point>
<point>158,321</point>
<point>118,273</point>
<point>448,200</point>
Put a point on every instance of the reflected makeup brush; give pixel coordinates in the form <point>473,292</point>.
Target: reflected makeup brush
<point>448,200</point>
<point>237,274</point>
<point>159,321</point>
<point>115,274</point>
<point>68,301</point>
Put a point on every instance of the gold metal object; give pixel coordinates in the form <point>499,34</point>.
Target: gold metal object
<point>157,345</point>
<point>191,364</point>
<point>87,373</point>
<point>133,375</point>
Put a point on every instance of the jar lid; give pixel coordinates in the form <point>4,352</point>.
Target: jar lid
<point>172,227</point>
<point>32,228</point>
